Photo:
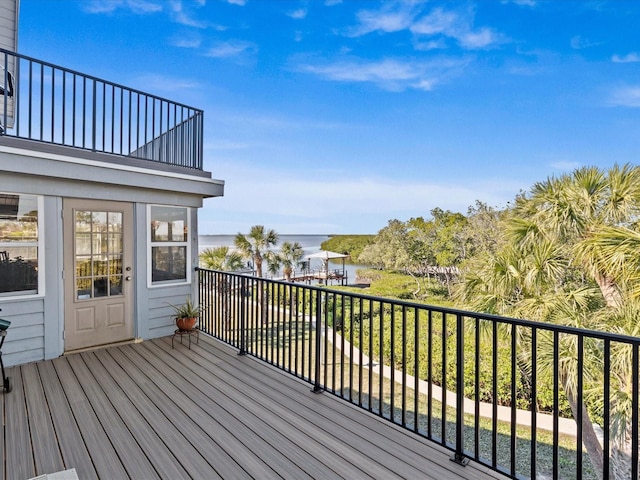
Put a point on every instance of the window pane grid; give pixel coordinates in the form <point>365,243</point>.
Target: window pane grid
<point>19,243</point>
<point>99,249</point>
<point>169,236</point>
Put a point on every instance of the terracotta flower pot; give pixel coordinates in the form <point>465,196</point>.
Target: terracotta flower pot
<point>186,324</point>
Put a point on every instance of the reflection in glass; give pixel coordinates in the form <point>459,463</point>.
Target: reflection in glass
<point>168,263</point>
<point>18,243</point>
<point>99,221</point>
<point>83,288</point>
<point>115,221</point>
<point>83,266</point>
<point>115,285</point>
<point>100,287</point>
<point>99,248</point>
<point>168,224</point>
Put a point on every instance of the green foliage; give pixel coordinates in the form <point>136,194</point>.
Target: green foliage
<point>351,245</point>
<point>221,258</point>
<point>187,310</point>
<point>287,257</point>
<point>255,244</point>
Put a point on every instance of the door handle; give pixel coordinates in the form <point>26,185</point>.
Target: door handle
<point>128,279</point>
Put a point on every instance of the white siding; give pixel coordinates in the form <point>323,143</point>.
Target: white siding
<point>25,337</point>
<point>9,24</point>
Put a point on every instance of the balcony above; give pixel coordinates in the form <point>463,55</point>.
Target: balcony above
<point>59,110</point>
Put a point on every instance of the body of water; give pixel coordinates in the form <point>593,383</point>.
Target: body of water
<point>310,244</point>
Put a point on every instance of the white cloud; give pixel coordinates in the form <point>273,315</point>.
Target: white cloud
<point>179,15</point>
<point>298,14</point>
<point>110,6</point>
<point>579,42</point>
<point>458,26</point>
<point>240,3</point>
<point>331,3</point>
<point>390,74</point>
<point>627,96</point>
<point>231,49</point>
<point>479,39</point>
<point>399,16</point>
<point>392,17</point>
<point>632,57</point>
<point>523,3</point>
<point>437,22</point>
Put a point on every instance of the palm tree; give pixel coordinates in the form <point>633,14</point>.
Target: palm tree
<point>287,259</point>
<point>256,244</point>
<point>570,257</point>
<point>220,258</point>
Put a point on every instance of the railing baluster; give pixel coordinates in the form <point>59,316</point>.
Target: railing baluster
<point>512,438</point>
<point>580,399</point>
<point>494,400</point>
<point>317,386</point>
<point>443,373</point>
<point>556,401</point>
<point>534,402</point>
<point>635,386</point>
<point>606,451</point>
<point>458,456</point>
<point>476,390</point>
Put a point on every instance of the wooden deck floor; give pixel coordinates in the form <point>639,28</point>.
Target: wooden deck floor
<point>147,411</point>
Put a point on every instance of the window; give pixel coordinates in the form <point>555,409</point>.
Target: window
<point>19,241</point>
<point>169,239</point>
<point>98,253</point>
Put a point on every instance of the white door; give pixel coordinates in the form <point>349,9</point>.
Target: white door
<point>98,275</point>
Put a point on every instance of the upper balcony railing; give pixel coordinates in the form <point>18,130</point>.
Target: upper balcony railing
<point>51,104</point>
<point>527,399</point>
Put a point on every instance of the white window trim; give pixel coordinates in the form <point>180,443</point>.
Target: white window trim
<point>41,260</point>
<point>168,283</point>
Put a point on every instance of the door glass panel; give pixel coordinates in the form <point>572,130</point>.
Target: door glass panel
<point>115,221</point>
<point>115,285</point>
<point>98,254</point>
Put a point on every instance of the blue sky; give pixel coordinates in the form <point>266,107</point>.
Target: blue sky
<point>336,116</point>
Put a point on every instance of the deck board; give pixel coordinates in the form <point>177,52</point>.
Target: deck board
<point>46,451</point>
<point>18,453</point>
<point>98,444</point>
<point>73,449</point>
<point>151,411</point>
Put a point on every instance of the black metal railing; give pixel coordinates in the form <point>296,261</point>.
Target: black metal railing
<point>46,103</point>
<point>523,398</point>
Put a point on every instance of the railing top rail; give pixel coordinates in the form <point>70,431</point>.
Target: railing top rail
<point>539,325</point>
<point>97,79</point>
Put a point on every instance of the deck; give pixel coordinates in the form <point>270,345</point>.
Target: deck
<point>147,411</point>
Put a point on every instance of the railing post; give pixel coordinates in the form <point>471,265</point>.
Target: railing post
<point>458,456</point>
<point>317,387</point>
<point>243,329</point>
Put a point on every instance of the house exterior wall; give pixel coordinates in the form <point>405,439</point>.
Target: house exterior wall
<point>8,24</point>
<point>37,328</point>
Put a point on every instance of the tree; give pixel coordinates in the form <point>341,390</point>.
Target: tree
<point>221,258</point>
<point>287,259</point>
<point>256,244</point>
<point>568,255</point>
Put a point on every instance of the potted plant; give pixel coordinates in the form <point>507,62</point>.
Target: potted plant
<point>186,315</point>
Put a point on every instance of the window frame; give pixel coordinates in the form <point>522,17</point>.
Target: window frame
<point>40,253</point>
<point>150,245</point>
